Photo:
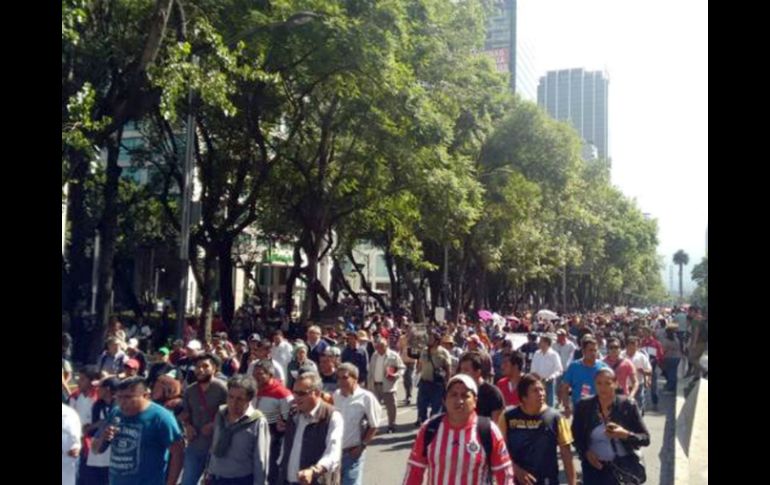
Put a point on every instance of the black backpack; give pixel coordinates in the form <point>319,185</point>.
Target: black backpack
<point>483,429</point>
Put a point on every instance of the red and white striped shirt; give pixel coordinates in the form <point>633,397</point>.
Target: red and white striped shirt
<point>457,457</point>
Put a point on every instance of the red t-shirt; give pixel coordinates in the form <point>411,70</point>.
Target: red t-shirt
<point>510,394</point>
<point>624,370</point>
<point>458,453</point>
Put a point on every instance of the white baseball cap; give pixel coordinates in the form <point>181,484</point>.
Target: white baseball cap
<point>194,345</point>
<point>466,380</point>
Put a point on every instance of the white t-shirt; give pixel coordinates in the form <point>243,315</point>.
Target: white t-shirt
<point>641,362</point>
<point>282,353</point>
<point>354,408</point>
<point>547,365</point>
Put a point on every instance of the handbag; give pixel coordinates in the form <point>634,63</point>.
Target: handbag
<point>628,470</point>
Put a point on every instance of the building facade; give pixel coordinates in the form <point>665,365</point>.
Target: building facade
<point>579,97</point>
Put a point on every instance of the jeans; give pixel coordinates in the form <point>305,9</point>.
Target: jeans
<point>670,366</point>
<point>194,465</point>
<point>654,386</point>
<point>550,392</point>
<point>431,395</point>
<point>640,397</point>
<point>352,469</point>
<point>408,381</point>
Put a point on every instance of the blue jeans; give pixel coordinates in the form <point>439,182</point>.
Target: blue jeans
<point>550,392</point>
<point>431,395</point>
<point>352,469</point>
<point>670,366</point>
<point>194,465</point>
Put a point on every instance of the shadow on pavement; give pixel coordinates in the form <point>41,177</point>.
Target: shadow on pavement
<point>402,446</point>
<point>391,439</point>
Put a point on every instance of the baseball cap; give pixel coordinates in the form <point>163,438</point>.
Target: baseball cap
<point>362,335</point>
<point>163,350</point>
<point>254,337</point>
<point>194,345</point>
<point>133,364</point>
<point>466,380</point>
<point>132,343</point>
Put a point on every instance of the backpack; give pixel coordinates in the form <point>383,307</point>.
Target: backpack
<point>483,429</point>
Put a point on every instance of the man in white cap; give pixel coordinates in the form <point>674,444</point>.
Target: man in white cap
<point>459,444</point>
<point>186,364</point>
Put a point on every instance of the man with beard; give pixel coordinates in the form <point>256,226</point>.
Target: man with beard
<point>201,401</point>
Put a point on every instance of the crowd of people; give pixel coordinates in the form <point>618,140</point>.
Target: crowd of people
<point>284,407</point>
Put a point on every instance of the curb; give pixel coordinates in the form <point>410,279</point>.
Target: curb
<point>691,437</point>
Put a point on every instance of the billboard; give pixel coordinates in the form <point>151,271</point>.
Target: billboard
<point>501,57</point>
<point>500,28</point>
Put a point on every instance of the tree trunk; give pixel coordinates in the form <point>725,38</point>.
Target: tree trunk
<point>395,284</point>
<point>108,230</point>
<point>81,229</point>
<point>292,278</point>
<point>435,284</point>
<point>226,291</point>
<point>207,293</point>
<point>418,302</point>
<point>76,268</point>
<point>681,290</point>
<point>365,283</point>
<point>124,281</point>
<point>312,247</point>
<point>339,277</point>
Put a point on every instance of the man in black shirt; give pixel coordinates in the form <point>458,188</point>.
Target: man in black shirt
<point>533,432</point>
<point>529,349</point>
<point>490,402</point>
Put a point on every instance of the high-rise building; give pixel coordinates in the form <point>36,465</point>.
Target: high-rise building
<point>580,97</point>
<point>511,53</point>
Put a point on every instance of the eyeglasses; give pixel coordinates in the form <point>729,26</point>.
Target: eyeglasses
<point>301,393</point>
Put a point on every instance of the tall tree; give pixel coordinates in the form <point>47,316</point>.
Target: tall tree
<point>105,61</point>
<point>681,259</point>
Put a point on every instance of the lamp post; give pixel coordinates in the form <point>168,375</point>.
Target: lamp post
<point>184,241</point>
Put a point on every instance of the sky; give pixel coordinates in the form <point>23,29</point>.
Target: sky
<point>655,53</point>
